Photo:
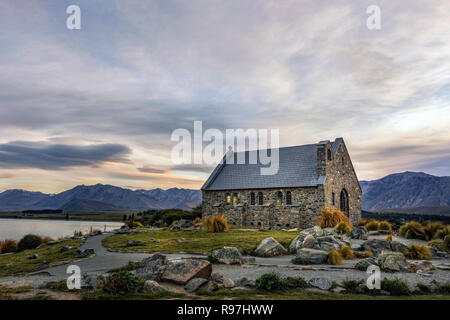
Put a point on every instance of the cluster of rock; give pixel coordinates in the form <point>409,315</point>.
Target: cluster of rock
<point>84,253</point>
<point>185,224</point>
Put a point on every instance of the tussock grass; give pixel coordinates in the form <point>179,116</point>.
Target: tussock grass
<point>330,218</point>
<point>418,252</point>
<point>343,228</point>
<point>413,230</point>
<point>334,257</point>
<point>346,253</point>
<point>216,223</point>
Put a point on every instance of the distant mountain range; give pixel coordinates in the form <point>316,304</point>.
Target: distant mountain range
<point>405,190</point>
<point>101,197</point>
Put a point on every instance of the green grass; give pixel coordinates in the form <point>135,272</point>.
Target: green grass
<point>18,264</point>
<point>196,241</point>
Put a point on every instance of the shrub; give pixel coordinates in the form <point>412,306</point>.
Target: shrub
<point>8,246</point>
<point>413,230</point>
<point>351,285</point>
<point>418,252</point>
<point>396,287</point>
<point>197,220</point>
<point>216,223</point>
<point>423,288</point>
<point>120,283</point>
<point>373,225</point>
<point>269,282</point>
<point>438,244</point>
<point>134,224</point>
<point>385,225</point>
<point>447,242</point>
<point>431,229</point>
<point>330,218</point>
<point>346,253</point>
<point>389,238</point>
<point>295,283</point>
<point>442,233</point>
<point>363,255</point>
<point>343,228</point>
<point>47,239</point>
<point>334,257</point>
<point>30,241</point>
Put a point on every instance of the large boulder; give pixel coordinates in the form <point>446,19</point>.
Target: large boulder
<point>310,243</point>
<point>152,286</point>
<point>152,268</point>
<point>393,262</point>
<point>315,231</point>
<point>227,255</point>
<point>376,246</point>
<point>180,271</point>
<point>398,246</point>
<point>329,243</point>
<point>310,256</point>
<point>297,242</point>
<point>270,247</point>
<point>359,233</point>
<point>320,283</point>
<point>363,264</point>
<point>194,284</point>
<point>228,283</point>
<point>217,277</point>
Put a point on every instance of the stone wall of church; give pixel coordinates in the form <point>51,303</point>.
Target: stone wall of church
<point>306,207</point>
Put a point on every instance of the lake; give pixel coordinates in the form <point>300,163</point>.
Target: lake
<point>15,229</point>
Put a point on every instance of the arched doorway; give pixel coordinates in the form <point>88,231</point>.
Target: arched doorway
<point>344,202</point>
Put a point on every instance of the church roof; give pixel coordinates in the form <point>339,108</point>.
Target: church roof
<point>297,168</point>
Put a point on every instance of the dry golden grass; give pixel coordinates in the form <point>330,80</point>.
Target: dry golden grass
<point>330,218</point>
<point>346,253</point>
<point>418,252</point>
<point>343,228</point>
<point>385,225</point>
<point>334,257</point>
<point>373,225</point>
<point>8,246</point>
<point>362,255</point>
<point>389,238</point>
<point>197,220</point>
<point>413,230</point>
<point>216,223</point>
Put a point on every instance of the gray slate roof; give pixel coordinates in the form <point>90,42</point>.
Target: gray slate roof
<point>297,168</point>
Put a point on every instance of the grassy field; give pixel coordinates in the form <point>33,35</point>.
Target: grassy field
<point>196,241</point>
<point>18,264</point>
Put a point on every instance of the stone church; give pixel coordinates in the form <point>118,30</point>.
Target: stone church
<point>310,177</point>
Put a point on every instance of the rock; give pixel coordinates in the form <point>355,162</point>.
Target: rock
<point>194,284</point>
<point>270,247</point>
<point>210,286</point>
<point>321,283</point>
<point>244,282</point>
<point>32,257</point>
<point>310,243</point>
<point>398,246</point>
<point>181,271</point>
<point>376,246</point>
<point>338,290</point>
<point>134,243</point>
<point>64,249</point>
<point>355,246</point>
<point>217,277</point>
<point>250,260</point>
<point>227,255</point>
<point>359,233</point>
<point>329,243</point>
<point>310,256</point>
<point>315,231</point>
<point>84,253</point>
<point>123,230</point>
<point>393,262</point>
<point>152,268</point>
<point>330,232</point>
<point>43,264</point>
<point>365,263</point>
<point>297,242</point>
<point>89,251</point>
<point>181,240</point>
<point>152,286</point>
<point>183,223</point>
<point>89,282</point>
<point>424,266</point>
<point>228,283</point>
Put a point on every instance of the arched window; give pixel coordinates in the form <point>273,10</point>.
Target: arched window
<point>343,160</point>
<point>332,198</point>
<point>252,199</point>
<point>235,198</point>
<point>260,198</point>
<point>279,198</point>
<point>329,154</point>
<point>288,198</point>
<point>344,202</point>
<point>228,198</point>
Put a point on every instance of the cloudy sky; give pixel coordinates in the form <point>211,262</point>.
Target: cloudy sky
<point>98,105</point>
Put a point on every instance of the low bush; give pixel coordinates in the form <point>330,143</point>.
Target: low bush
<point>373,225</point>
<point>396,287</point>
<point>351,285</point>
<point>269,282</point>
<point>8,246</point>
<point>330,218</point>
<point>413,230</point>
<point>120,283</point>
<point>385,225</point>
<point>334,257</point>
<point>418,252</point>
<point>362,254</point>
<point>163,218</point>
<point>346,253</point>
<point>295,283</point>
<point>216,223</point>
<point>431,229</point>
<point>29,241</point>
<point>197,220</point>
<point>423,288</point>
<point>439,244</point>
<point>343,228</point>
<point>442,233</point>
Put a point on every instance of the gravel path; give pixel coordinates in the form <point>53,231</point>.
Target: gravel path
<point>105,260</point>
